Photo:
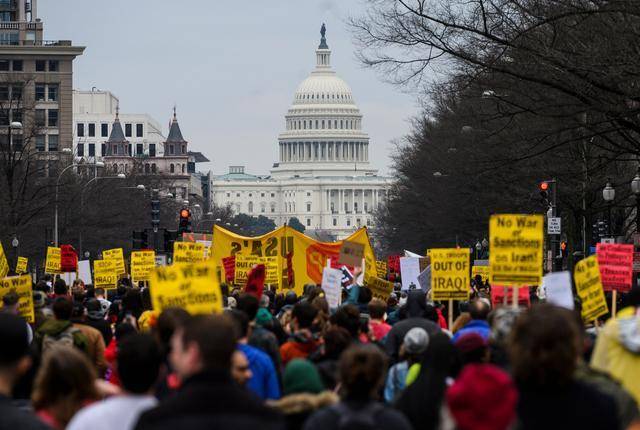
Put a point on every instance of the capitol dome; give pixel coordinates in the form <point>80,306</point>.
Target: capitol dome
<point>323,126</point>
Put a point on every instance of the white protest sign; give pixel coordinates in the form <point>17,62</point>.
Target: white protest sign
<point>84,271</point>
<point>557,287</point>
<point>409,271</point>
<point>332,286</point>
<point>424,278</point>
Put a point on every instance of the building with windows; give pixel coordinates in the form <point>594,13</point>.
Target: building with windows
<point>323,176</point>
<point>35,82</point>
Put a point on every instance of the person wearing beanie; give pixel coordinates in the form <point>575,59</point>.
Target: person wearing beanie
<point>473,348</point>
<point>483,397</point>
<point>413,346</point>
<point>95,319</point>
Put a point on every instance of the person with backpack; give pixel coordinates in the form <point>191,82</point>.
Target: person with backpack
<point>362,369</point>
<point>59,330</point>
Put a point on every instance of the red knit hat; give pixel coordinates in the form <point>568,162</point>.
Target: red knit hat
<point>483,398</point>
<point>470,341</point>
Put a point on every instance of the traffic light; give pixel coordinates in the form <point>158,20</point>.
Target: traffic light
<point>169,239</point>
<point>544,192</point>
<point>155,211</point>
<point>563,249</point>
<point>140,240</point>
<point>184,225</point>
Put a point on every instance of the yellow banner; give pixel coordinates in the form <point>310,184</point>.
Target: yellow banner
<point>380,289</point>
<point>22,265</point>
<point>244,264</point>
<point>142,264</point>
<point>308,256</point>
<point>117,255</point>
<point>188,252</point>
<point>193,287</point>
<point>586,275</point>
<point>381,269</point>
<point>4,264</point>
<point>450,273</point>
<point>104,274</point>
<point>22,286</point>
<point>53,263</point>
<point>483,271</point>
<point>516,249</point>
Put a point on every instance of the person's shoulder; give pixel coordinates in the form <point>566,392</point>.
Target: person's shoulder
<point>12,417</point>
<point>321,419</point>
<point>390,418</point>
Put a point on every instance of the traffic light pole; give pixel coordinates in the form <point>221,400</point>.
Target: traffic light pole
<point>556,264</point>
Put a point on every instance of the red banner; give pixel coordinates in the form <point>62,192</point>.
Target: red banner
<point>393,262</point>
<point>616,266</point>
<point>229,264</point>
<point>68,259</point>
<point>498,292</point>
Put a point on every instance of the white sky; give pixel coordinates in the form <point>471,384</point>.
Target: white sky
<point>231,67</point>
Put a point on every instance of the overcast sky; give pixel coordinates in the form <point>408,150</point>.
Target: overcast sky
<point>231,67</point>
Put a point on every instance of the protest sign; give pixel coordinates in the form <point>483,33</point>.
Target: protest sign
<point>616,266</point>
<point>68,259</point>
<point>516,243</point>
<point>188,252</point>
<point>351,253</point>
<point>380,289</point>
<point>586,275</point>
<point>53,263</point>
<point>381,269</point>
<point>104,274</point>
<point>424,278</point>
<point>84,271</point>
<point>557,287</point>
<point>4,264</point>
<point>482,271</point>
<point>117,256</point>
<point>193,287</point>
<point>501,295</point>
<point>409,272</point>
<point>393,263</point>
<point>229,265</point>
<point>450,274</point>
<point>244,264</point>
<point>142,264</point>
<point>22,265</point>
<point>332,286</point>
<point>22,286</point>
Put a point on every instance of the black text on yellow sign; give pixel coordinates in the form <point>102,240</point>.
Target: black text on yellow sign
<point>188,252</point>
<point>4,264</point>
<point>142,264</point>
<point>244,264</point>
<point>586,275</point>
<point>105,274</point>
<point>21,285</point>
<point>450,274</point>
<point>380,289</point>
<point>22,265</point>
<point>516,243</point>
<point>53,263</point>
<point>193,287</point>
<point>117,255</point>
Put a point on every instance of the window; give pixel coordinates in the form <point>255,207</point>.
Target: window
<point>52,116</point>
<point>261,194</point>
<point>183,168</point>
<point>355,206</point>
<point>152,150</point>
<point>130,149</point>
<point>53,93</point>
<point>250,207</point>
<point>146,168</point>
<point>348,222</point>
<point>54,65</point>
<point>104,130</point>
<point>53,142</point>
<point>17,65</point>
<point>366,207</point>
<point>346,207</point>
<point>368,221</point>
<point>40,117</point>
<point>237,194</point>
<point>308,222</point>
<point>139,148</point>
<point>16,115</point>
<point>308,194</point>
<point>228,194</point>
<point>115,150</point>
<point>4,65</point>
<point>171,150</point>
<point>250,194</point>
<point>127,130</point>
<point>153,169</point>
<point>139,130</point>
<point>16,92</point>
<point>273,195</point>
<point>40,143</point>
<point>41,65</point>
<point>4,118</point>
<point>335,222</point>
<point>92,130</point>
<point>80,149</point>
<point>92,150</point>
<point>308,207</point>
<point>103,150</point>
<point>172,168</point>
<point>80,129</point>
<point>184,149</point>
<point>4,92</point>
<point>273,208</point>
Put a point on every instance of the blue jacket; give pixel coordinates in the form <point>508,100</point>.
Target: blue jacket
<point>264,381</point>
<point>474,326</point>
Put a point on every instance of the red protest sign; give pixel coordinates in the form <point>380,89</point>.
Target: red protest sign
<point>68,258</point>
<point>229,264</point>
<point>498,292</point>
<point>393,262</point>
<point>616,266</point>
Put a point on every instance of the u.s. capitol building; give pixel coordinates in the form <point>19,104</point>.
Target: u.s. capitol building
<point>323,176</point>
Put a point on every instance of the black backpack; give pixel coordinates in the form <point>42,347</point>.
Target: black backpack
<point>357,419</point>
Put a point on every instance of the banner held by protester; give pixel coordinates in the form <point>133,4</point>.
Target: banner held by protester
<point>21,285</point>
<point>53,263</point>
<point>586,275</point>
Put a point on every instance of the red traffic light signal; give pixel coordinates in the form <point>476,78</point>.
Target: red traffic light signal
<point>544,186</point>
<point>563,246</point>
<point>184,213</point>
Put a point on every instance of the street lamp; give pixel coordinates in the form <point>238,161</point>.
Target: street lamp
<point>608,194</point>
<point>478,248</point>
<point>15,125</point>
<point>15,243</point>
<point>635,188</point>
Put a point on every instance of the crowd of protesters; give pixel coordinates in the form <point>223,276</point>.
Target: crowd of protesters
<point>99,360</point>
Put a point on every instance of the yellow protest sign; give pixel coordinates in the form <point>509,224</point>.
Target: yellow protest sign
<point>53,264</point>
<point>21,265</point>
<point>244,264</point>
<point>188,252</point>
<point>22,286</point>
<point>193,287</point>
<point>516,249</point>
<point>117,255</point>
<point>104,274</point>
<point>4,264</point>
<point>586,275</point>
<point>380,289</point>
<point>142,264</point>
<point>450,273</point>
<point>381,269</point>
<point>483,271</point>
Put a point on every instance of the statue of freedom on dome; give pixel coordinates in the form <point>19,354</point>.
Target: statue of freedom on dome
<point>323,30</point>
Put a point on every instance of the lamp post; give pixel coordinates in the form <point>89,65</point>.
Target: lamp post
<point>14,244</point>
<point>55,216</point>
<point>15,125</point>
<point>609,194</point>
<point>478,248</point>
<point>635,188</point>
